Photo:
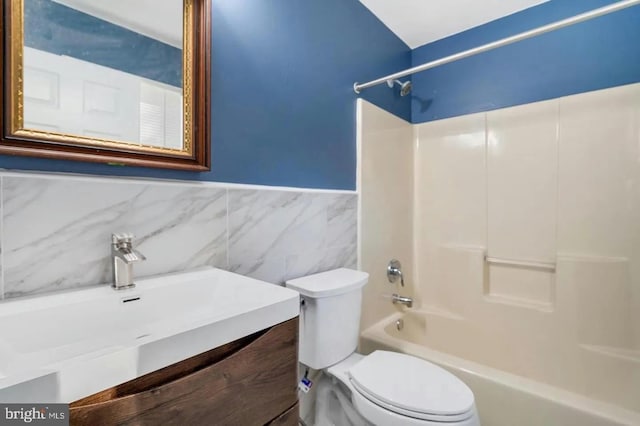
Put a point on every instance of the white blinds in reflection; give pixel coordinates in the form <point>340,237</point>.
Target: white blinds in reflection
<point>161,122</point>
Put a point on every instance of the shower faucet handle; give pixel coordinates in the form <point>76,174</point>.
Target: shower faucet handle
<point>394,271</point>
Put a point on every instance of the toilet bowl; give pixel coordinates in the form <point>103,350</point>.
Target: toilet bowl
<point>373,390</point>
<point>383,388</point>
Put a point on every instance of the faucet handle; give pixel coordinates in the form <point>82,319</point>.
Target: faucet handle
<point>394,271</point>
<point>121,238</point>
<point>122,244</point>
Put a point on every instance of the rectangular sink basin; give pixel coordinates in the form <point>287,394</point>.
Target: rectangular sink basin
<point>96,338</point>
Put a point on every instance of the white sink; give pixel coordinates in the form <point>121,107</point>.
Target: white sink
<point>89,340</point>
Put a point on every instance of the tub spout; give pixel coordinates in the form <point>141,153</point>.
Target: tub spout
<point>401,300</point>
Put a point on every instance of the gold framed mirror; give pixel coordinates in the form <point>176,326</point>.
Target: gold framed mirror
<point>124,82</point>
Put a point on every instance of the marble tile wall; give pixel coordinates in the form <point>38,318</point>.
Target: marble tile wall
<point>56,230</point>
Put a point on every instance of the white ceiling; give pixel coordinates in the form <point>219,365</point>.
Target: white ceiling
<point>161,20</point>
<point>419,22</point>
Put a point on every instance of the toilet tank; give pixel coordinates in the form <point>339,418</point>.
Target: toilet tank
<point>329,315</point>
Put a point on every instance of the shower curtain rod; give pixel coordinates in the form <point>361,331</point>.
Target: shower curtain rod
<point>503,42</point>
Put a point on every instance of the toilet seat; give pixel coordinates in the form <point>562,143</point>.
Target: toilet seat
<point>378,415</point>
<point>361,400</point>
<point>411,387</point>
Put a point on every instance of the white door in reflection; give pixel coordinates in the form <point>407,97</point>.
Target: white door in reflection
<point>112,104</point>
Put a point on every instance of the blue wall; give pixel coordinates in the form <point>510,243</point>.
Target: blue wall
<point>283,102</point>
<point>283,106</point>
<point>601,53</point>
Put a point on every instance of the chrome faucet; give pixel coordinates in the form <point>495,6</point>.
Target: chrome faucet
<point>401,300</point>
<point>394,271</point>
<point>124,256</point>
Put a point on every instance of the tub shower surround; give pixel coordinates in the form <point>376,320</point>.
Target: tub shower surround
<point>554,338</point>
<point>56,230</point>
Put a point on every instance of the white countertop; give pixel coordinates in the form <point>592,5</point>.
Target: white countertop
<point>66,346</point>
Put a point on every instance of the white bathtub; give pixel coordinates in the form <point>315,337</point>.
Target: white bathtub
<point>502,398</point>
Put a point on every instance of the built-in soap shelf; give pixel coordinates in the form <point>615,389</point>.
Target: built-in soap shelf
<point>533,284</point>
<point>519,263</point>
<point>522,283</point>
<point>519,302</point>
<point>624,354</point>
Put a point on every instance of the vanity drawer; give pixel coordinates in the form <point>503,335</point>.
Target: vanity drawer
<point>252,381</point>
<point>288,418</point>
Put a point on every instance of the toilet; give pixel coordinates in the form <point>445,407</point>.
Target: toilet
<point>383,388</point>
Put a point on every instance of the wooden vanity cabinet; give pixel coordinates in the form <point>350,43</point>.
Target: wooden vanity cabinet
<point>252,381</point>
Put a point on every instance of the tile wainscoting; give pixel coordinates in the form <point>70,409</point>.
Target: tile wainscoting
<point>56,229</point>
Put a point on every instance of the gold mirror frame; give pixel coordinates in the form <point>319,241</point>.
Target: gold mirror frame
<point>195,155</point>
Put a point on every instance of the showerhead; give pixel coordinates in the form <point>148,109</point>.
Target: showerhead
<point>405,88</point>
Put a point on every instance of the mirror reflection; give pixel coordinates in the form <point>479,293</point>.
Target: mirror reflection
<point>106,70</point>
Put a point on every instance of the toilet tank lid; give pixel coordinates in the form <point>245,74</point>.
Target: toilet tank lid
<point>330,283</point>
